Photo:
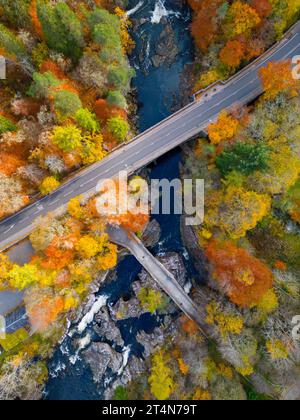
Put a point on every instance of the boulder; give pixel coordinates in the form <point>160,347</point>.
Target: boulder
<point>166,48</point>
<point>150,342</point>
<point>134,369</point>
<point>151,234</point>
<point>126,309</point>
<point>107,328</point>
<point>100,357</point>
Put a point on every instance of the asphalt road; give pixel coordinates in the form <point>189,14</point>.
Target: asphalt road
<point>151,144</point>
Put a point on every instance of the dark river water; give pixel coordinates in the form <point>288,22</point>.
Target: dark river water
<point>70,378</point>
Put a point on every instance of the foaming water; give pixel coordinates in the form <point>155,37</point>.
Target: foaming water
<point>135,9</point>
<point>161,11</point>
<point>89,317</point>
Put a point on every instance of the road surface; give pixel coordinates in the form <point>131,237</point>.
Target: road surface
<point>153,143</point>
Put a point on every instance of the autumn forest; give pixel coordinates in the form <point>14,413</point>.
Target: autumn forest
<point>67,102</point>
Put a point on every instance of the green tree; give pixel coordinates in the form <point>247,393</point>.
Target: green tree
<point>67,138</point>
<point>118,127</point>
<point>66,103</point>
<point>42,84</point>
<point>62,29</point>
<point>119,77</point>
<point>102,16</point>
<point>17,12</point>
<point>87,120</point>
<point>106,36</point>
<point>6,125</point>
<point>244,158</point>
<point>11,44</point>
<point>115,98</point>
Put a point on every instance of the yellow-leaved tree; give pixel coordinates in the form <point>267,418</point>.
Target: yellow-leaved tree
<point>241,19</point>
<point>161,378</point>
<point>235,210</point>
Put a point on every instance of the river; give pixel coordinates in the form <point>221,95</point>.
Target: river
<point>158,93</point>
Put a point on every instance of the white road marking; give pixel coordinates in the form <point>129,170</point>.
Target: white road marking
<point>9,229</point>
<point>290,52</point>
<point>85,183</point>
<point>69,193</point>
<point>54,202</point>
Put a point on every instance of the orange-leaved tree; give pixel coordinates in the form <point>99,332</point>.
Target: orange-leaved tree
<point>263,7</point>
<point>43,308</point>
<point>133,219</point>
<point>204,26</point>
<point>223,129</point>
<point>244,278</point>
<point>233,53</point>
<point>277,77</point>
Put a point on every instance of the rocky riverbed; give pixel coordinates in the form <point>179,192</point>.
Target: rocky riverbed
<point>110,357</point>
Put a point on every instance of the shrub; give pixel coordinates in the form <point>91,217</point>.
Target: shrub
<point>48,185</point>
<point>150,299</point>
<point>109,56</point>
<point>40,53</point>
<point>11,44</point>
<point>16,12</point>
<point>42,83</point>
<point>119,77</point>
<point>67,138</point>
<point>120,394</point>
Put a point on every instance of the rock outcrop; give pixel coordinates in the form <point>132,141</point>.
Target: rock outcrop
<point>166,49</point>
<point>151,234</point>
<point>107,328</point>
<point>100,357</point>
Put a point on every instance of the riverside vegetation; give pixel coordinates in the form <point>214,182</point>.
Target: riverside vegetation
<point>64,101</point>
<point>250,160</point>
<point>63,105</point>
